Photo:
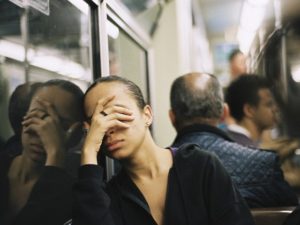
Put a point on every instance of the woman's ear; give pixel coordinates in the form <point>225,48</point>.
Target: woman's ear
<point>148,115</point>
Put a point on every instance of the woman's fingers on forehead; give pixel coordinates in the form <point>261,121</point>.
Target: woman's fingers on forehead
<point>118,109</point>
<point>35,112</point>
<point>101,103</point>
<point>105,101</point>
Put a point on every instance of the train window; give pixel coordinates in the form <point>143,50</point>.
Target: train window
<point>57,43</point>
<point>293,54</point>
<point>145,12</point>
<point>126,57</point>
<point>37,44</point>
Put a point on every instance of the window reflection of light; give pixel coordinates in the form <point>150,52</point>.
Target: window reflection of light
<point>112,30</point>
<point>40,59</point>
<point>81,5</point>
<point>296,73</point>
<point>252,15</point>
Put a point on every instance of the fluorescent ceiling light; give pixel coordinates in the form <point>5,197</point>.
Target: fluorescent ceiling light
<point>252,15</point>
<point>296,73</point>
<point>260,3</point>
<point>40,59</point>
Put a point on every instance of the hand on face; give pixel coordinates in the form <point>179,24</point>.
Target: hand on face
<point>105,118</point>
<point>44,122</point>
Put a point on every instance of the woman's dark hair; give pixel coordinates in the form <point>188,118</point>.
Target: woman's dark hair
<point>19,104</point>
<point>68,86</point>
<point>134,90</point>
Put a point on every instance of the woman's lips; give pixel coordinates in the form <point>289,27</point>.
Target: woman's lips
<point>38,148</point>
<point>113,145</point>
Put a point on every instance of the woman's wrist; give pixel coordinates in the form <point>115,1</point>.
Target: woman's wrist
<point>89,155</point>
<point>56,158</point>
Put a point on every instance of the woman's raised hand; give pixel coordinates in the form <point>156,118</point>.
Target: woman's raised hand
<point>105,118</point>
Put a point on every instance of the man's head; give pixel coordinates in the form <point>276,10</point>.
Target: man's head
<point>249,97</point>
<point>237,62</point>
<point>196,97</point>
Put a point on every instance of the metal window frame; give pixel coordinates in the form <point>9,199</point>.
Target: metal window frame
<point>111,10</point>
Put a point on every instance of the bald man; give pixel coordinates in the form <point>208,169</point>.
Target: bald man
<point>197,107</point>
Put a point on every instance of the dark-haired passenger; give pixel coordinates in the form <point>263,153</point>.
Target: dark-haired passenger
<point>34,187</point>
<point>155,186</point>
<point>197,107</point>
<point>253,107</point>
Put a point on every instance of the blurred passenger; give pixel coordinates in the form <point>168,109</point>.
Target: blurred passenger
<point>253,107</point>
<point>17,108</point>
<point>34,187</point>
<point>196,108</point>
<point>155,185</point>
<point>237,63</point>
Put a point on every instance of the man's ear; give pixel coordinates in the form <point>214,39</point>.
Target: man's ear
<point>226,112</point>
<point>249,110</point>
<point>172,117</point>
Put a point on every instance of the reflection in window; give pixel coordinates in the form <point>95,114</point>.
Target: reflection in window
<point>54,46</point>
<point>58,45</point>
<point>146,12</point>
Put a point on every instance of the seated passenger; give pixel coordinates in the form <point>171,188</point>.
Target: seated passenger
<point>196,109</point>
<point>252,106</point>
<point>17,107</point>
<point>155,185</point>
<point>34,187</point>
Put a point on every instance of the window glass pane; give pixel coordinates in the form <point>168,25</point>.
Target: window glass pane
<point>58,47</point>
<point>127,58</point>
<point>146,12</point>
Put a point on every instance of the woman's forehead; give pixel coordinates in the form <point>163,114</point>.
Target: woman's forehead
<point>103,90</point>
<point>60,99</point>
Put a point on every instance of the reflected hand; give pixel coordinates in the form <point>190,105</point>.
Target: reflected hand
<point>45,123</point>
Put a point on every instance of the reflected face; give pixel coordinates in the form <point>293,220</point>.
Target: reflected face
<point>64,105</point>
<point>265,116</point>
<point>121,143</point>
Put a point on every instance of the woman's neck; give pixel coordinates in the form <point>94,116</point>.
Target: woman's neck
<point>25,169</point>
<point>149,161</point>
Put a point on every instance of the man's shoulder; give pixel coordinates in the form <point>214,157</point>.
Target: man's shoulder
<point>190,152</point>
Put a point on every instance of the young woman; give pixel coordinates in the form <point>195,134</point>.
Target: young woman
<point>155,185</point>
<point>34,187</point>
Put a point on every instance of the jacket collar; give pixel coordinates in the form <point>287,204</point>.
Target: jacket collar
<point>129,190</point>
<point>202,128</point>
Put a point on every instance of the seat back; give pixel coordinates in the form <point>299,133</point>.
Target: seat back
<point>271,216</point>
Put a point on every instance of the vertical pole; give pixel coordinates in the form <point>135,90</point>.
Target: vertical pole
<point>25,36</point>
<point>104,55</point>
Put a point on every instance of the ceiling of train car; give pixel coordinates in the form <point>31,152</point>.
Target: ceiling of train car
<point>221,18</point>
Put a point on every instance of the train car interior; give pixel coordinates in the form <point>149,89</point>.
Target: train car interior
<point>152,42</point>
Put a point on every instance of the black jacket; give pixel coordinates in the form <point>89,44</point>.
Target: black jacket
<point>256,173</point>
<point>49,202</point>
<point>199,192</point>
